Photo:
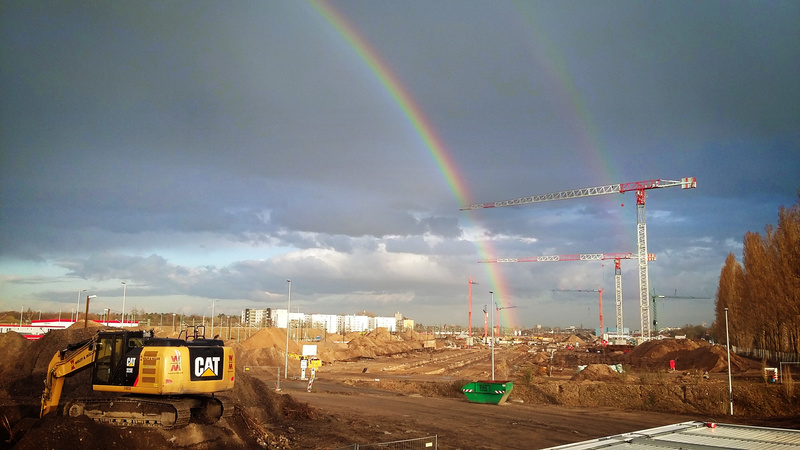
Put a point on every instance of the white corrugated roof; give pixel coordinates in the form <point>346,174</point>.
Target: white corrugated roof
<point>697,435</point>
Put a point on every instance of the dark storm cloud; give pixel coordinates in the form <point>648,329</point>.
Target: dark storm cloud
<point>174,145</point>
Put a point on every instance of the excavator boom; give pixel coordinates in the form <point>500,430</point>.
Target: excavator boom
<point>65,362</point>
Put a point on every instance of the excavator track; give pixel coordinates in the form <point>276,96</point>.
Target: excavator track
<point>135,411</point>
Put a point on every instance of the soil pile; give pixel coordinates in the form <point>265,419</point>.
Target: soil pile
<point>24,371</point>
<point>267,347</point>
<point>541,358</point>
<point>688,355</point>
<point>598,372</point>
<point>409,335</point>
<point>12,345</point>
<point>575,340</point>
<point>377,343</point>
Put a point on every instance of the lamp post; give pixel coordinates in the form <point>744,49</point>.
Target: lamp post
<point>105,313</point>
<point>173,322</point>
<point>212,317</point>
<point>124,288</point>
<point>86,316</point>
<point>728,345</point>
<point>288,308</point>
<point>78,308</point>
<point>492,341</point>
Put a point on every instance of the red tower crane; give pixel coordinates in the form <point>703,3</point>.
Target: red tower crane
<point>471,282</point>
<point>497,309</point>
<point>485,323</point>
<point>617,257</point>
<point>641,224</point>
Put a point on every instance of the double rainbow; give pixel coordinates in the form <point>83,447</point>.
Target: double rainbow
<point>427,133</point>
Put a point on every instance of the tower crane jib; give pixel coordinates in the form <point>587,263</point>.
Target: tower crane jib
<point>641,224</point>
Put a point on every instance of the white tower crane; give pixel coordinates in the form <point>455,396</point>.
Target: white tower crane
<point>641,226</point>
<point>587,257</point>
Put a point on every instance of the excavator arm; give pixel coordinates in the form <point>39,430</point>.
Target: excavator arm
<point>64,363</point>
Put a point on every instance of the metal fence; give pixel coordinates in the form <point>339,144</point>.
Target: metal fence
<point>769,355</point>
<point>429,442</point>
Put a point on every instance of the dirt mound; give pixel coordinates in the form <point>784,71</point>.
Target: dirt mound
<point>381,334</point>
<point>597,372</point>
<point>712,359</point>
<point>409,335</point>
<point>270,337</point>
<point>86,324</point>
<point>688,355</point>
<point>379,342</point>
<point>12,345</point>
<point>574,340</point>
<point>541,358</point>
<point>23,373</point>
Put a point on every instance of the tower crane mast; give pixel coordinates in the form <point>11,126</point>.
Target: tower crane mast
<point>617,257</point>
<point>641,226</point>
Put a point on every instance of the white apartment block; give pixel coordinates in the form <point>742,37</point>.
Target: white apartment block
<point>389,323</point>
<point>331,323</point>
<point>257,317</point>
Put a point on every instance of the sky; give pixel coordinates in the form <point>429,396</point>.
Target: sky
<point>206,152</point>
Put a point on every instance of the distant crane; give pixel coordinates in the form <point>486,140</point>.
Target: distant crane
<point>485,323</point>
<point>655,309</point>
<point>641,225</point>
<point>471,282</point>
<point>587,257</point>
<point>599,290</point>
<point>498,315</point>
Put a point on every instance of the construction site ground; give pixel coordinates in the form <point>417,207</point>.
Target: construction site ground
<point>382,388</point>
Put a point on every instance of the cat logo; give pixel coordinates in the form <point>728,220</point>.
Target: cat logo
<point>207,366</point>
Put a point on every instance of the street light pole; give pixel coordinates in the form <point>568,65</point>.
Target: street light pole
<point>86,316</point>
<point>124,288</point>
<point>492,341</point>
<point>212,317</point>
<point>78,308</point>
<point>288,309</point>
<point>728,345</point>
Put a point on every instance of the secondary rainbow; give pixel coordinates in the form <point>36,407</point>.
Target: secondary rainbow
<point>427,133</point>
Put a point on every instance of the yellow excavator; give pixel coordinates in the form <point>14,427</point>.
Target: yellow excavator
<point>166,381</point>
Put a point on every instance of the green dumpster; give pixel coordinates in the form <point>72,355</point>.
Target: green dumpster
<point>494,392</point>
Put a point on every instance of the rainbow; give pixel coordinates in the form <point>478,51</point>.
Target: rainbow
<point>427,133</point>
<point>570,105</point>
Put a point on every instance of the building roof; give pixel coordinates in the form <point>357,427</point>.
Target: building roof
<point>696,435</point>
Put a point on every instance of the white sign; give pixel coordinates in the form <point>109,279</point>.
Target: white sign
<point>309,350</point>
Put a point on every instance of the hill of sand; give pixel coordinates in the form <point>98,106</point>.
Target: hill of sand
<point>688,355</point>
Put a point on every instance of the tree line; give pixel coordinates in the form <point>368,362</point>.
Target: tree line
<point>762,293</point>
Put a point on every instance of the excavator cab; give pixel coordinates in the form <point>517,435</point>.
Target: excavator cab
<point>116,355</point>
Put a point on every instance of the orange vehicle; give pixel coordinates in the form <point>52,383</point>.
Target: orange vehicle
<point>159,381</point>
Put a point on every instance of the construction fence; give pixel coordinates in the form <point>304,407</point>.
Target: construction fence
<point>769,355</point>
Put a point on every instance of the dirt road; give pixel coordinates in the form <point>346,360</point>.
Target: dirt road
<point>380,416</point>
